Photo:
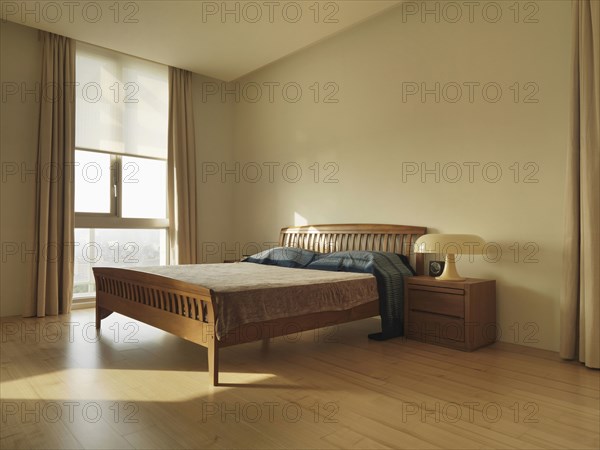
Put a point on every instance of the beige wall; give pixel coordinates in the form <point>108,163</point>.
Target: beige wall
<point>214,142</point>
<point>20,63</point>
<point>371,132</point>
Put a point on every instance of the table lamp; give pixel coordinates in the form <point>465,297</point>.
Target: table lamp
<point>450,245</point>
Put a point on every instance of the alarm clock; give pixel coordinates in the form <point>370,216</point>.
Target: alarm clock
<point>436,268</point>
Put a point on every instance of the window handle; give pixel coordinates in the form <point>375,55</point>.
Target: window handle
<point>115,190</point>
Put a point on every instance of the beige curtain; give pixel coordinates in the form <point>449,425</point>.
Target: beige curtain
<point>52,273</point>
<point>580,302</point>
<point>182,169</point>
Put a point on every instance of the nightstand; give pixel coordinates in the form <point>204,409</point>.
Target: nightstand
<point>457,314</point>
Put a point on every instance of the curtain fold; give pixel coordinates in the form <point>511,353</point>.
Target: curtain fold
<point>182,169</point>
<point>52,272</point>
<point>580,300</point>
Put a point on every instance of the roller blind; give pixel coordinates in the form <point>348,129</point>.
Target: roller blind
<point>122,103</point>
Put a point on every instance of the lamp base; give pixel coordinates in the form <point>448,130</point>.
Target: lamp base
<point>450,273</point>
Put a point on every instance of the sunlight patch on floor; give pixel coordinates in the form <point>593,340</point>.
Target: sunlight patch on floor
<point>116,384</point>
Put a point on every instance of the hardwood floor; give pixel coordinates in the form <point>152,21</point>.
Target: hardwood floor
<point>138,387</point>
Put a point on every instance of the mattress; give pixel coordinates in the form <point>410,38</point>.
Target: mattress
<point>245,293</point>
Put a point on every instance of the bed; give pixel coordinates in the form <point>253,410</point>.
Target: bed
<point>191,310</point>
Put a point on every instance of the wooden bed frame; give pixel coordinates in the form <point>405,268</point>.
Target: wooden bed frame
<point>187,310</point>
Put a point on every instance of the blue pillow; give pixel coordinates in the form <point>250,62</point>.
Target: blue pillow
<point>341,261</point>
<point>361,261</point>
<point>284,257</point>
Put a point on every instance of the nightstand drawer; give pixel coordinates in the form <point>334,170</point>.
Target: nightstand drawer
<point>455,314</point>
<point>436,302</point>
<point>433,327</point>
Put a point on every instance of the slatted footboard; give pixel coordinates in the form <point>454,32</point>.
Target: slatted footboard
<point>168,300</point>
<point>183,309</point>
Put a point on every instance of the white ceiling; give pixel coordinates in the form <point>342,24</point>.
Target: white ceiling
<point>194,34</point>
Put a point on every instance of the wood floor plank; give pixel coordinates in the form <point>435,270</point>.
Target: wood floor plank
<point>329,388</point>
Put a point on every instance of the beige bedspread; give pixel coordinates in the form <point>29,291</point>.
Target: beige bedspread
<point>249,293</point>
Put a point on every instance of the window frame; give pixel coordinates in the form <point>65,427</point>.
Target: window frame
<point>114,219</point>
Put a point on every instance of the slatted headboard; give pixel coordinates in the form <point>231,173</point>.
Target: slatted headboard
<point>362,236</point>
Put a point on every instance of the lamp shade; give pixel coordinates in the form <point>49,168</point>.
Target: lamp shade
<point>450,245</point>
<point>455,244</point>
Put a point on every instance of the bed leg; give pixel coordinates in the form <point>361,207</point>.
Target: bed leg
<point>99,316</point>
<point>98,320</point>
<point>213,361</point>
<point>101,313</point>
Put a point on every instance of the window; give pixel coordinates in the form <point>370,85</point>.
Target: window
<point>121,216</point>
